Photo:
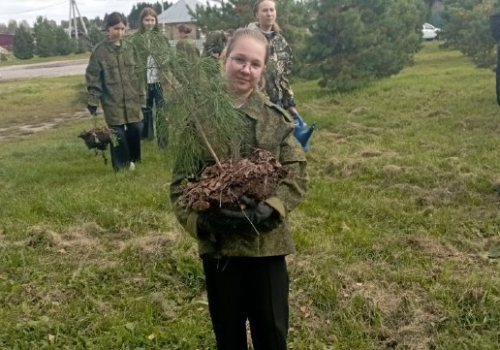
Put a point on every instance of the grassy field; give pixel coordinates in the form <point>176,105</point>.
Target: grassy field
<point>393,238</point>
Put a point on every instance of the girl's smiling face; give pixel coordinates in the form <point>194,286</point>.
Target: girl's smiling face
<point>244,65</point>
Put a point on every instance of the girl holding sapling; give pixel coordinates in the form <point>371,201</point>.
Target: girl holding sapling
<point>243,248</point>
<point>147,40</point>
<point>112,80</point>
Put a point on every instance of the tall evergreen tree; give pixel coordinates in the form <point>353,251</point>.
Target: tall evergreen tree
<point>63,42</point>
<point>355,42</point>
<point>12,26</point>
<point>96,35</point>
<point>467,29</point>
<point>45,38</point>
<point>23,44</point>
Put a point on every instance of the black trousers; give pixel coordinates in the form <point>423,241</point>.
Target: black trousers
<point>155,99</point>
<point>253,289</point>
<point>127,147</point>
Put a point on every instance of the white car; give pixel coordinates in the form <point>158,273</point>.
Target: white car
<point>429,32</point>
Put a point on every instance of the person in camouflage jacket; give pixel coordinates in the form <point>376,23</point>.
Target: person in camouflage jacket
<point>280,63</point>
<point>245,271</point>
<point>112,79</point>
<point>216,42</point>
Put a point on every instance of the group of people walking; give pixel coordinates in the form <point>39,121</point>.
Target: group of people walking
<point>123,77</point>
<point>245,268</point>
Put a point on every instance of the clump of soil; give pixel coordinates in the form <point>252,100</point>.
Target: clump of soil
<point>256,177</point>
<point>97,138</point>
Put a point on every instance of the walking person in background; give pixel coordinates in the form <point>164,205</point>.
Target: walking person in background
<point>149,38</point>
<point>243,251</point>
<point>112,80</point>
<point>185,45</point>
<point>280,56</point>
<point>216,42</point>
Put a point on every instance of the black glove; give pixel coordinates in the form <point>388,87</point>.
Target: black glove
<point>92,109</point>
<point>253,215</point>
<point>205,227</point>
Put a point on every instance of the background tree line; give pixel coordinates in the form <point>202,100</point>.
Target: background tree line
<point>46,38</point>
<point>343,43</point>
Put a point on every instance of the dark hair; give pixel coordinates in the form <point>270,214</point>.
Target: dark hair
<point>276,27</point>
<point>114,18</point>
<point>148,11</point>
<point>248,33</point>
<point>184,28</point>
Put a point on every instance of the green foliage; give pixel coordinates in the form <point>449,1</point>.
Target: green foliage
<point>356,42</point>
<point>81,45</point>
<point>23,44</point>
<point>45,38</point>
<point>230,14</point>
<point>96,35</point>
<point>12,26</point>
<point>64,46</point>
<point>467,29</point>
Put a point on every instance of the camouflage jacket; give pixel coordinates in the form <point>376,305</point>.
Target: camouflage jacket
<point>215,43</point>
<point>188,48</point>
<point>269,128</point>
<point>279,66</point>
<point>112,78</point>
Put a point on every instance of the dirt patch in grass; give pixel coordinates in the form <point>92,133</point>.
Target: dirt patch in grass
<point>76,241</point>
<point>342,168</point>
<point>18,130</point>
<point>152,245</point>
<point>394,318</point>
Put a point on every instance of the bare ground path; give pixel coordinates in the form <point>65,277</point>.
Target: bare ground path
<point>47,69</point>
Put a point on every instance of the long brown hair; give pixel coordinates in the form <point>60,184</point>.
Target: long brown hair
<point>276,27</point>
<point>148,11</point>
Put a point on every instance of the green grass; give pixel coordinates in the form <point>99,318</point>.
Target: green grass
<point>15,61</point>
<point>392,239</point>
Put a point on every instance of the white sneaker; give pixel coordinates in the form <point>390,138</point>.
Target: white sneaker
<point>131,166</point>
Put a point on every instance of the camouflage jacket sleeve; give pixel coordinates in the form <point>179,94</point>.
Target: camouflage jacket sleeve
<point>94,80</point>
<point>293,188</point>
<point>187,217</point>
<point>288,98</point>
<point>214,44</point>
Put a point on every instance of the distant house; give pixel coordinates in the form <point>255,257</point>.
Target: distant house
<point>178,13</point>
<point>6,40</point>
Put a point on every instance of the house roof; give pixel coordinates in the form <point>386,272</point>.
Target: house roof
<point>179,13</point>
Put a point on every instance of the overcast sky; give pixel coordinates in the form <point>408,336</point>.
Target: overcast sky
<point>58,10</point>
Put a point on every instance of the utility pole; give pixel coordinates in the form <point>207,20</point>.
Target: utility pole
<point>163,24</point>
<point>73,9</point>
